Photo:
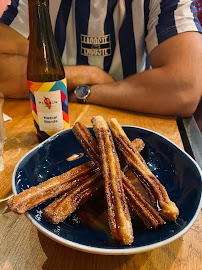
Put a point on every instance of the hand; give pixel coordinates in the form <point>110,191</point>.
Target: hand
<point>89,75</point>
<point>71,97</point>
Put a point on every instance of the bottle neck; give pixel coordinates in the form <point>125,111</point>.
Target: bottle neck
<point>44,63</point>
<point>39,19</point>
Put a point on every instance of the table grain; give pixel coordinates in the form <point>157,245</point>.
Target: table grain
<point>22,246</point>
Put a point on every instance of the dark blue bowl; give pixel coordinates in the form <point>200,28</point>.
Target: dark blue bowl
<point>177,171</point>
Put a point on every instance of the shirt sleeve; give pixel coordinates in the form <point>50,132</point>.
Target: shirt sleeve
<point>17,17</point>
<point>168,18</point>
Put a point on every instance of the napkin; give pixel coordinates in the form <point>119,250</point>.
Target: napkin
<point>6,117</point>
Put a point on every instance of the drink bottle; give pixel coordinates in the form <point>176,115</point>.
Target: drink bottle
<point>45,74</point>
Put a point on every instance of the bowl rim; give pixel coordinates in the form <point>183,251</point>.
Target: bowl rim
<point>108,251</point>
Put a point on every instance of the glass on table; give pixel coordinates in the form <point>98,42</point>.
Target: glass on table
<point>2,132</point>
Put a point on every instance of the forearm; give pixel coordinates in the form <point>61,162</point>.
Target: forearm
<point>172,87</point>
<point>156,91</point>
<point>13,63</point>
<point>13,81</point>
<point>11,42</point>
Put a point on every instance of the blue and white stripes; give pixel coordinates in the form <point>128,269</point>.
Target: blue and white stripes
<point>166,20</point>
<point>61,24</point>
<point>82,14</point>
<point>115,35</point>
<point>127,42</point>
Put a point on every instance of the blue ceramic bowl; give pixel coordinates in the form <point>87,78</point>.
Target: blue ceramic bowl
<point>177,171</point>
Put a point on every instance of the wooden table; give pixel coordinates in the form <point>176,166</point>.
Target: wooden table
<point>23,247</point>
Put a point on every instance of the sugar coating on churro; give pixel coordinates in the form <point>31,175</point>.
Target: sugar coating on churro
<point>62,207</point>
<point>35,195</point>
<point>118,213</point>
<point>147,213</point>
<point>156,191</point>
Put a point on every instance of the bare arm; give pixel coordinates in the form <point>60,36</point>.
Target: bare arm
<point>13,63</point>
<point>172,87</point>
<point>13,67</point>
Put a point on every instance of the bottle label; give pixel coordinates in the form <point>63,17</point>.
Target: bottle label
<point>49,104</point>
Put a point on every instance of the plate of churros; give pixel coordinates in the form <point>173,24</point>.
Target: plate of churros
<point>108,189</point>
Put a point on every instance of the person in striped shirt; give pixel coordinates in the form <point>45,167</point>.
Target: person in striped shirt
<point>139,55</point>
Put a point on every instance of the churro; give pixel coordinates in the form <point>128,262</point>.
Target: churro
<point>157,192</point>
<point>62,207</point>
<point>35,195</point>
<point>137,202</point>
<point>146,212</point>
<point>118,213</point>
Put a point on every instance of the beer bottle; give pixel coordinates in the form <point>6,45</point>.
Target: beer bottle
<point>45,74</point>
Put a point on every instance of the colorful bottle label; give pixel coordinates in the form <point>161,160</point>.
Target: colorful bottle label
<point>49,105</point>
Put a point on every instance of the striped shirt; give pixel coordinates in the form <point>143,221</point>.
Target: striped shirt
<point>115,35</point>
